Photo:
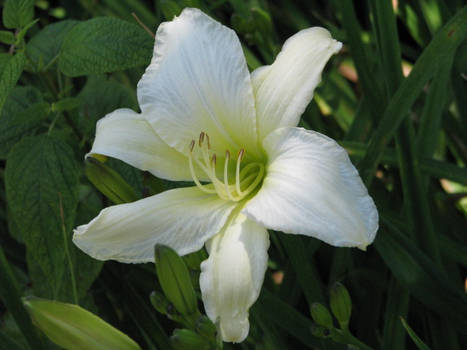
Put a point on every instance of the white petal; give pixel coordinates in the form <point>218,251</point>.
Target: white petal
<point>312,188</point>
<point>197,81</point>
<point>182,219</point>
<point>126,135</point>
<point>284,89</point>
<point>232,276</point>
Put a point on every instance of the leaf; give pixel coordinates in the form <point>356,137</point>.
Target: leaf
<point>419,274</point>
<point>103,45</point>
<point>446,40</point>
<point>100,97</point>
<point>17,13</point>
<point>10,296</point>
<point>18,121</point>
<point>43,49</point>
<point>75,328</point>
<point>41,176</point>
<point>10,72</point>
<point>418,342</point>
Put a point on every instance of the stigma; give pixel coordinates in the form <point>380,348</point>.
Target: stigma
<point>242,183</point>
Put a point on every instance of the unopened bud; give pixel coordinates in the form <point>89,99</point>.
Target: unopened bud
<point>321,315</point>
<point>341,304</point>
<point>175,280</point>
<point>72,327</point>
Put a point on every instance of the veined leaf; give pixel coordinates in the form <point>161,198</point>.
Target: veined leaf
<point>10,72</point>
<point>17,13</point>
<point>44,47</point>
<point>103,45</point>
<point>41,181</point>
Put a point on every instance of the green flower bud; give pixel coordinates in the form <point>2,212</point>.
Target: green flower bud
<point>74,328</point>
<point>341,304</point>
<point>184,339</point>
<point>321,315</point>
<point>175,280</point>
<point>109,182</point>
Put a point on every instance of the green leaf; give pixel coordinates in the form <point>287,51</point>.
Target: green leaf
<point>100,97</point>
<point>22,113</point>
<point>418,342</point>
<point>41,180</point>
<point>444,43</point>
<point>43,48</point>
<point>75,328</point>
<point>103,45</point>
<point>7,37</point>
<point>10,296</point>
<point>17,13</point>
<point>417,272</point>
<point>10,72</point>
<point>16,126</point>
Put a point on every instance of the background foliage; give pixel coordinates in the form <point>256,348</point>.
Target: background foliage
<point>395,97</point>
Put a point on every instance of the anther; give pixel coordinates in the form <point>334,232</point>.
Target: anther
<point>192,145</point>
<point>241,154</point>
<point>207,139</point>
<point>213,160</point>
<point>201,138</point>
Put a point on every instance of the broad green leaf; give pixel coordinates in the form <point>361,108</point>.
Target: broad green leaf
<point>44,47</point>
<point>103,45</point>
<point>17,13</point>
<point>16,126</point>
<point>21,114</point>
<point>75,328</point>
<point>41,181</point>
<point>10,71</point>
<point>100,97</point>
<point>7,37</point>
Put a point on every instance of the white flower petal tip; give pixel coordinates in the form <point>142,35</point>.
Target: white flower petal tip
<point>312,188</point>
<point>284,89</point>
<point>232,276</point>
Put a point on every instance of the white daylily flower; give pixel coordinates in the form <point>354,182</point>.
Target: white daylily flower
<point>206,119</point>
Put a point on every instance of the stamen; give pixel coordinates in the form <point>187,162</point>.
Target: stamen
<point>201,138</point>
<point>249,177</point>
<point>195,178</point>
<point>237,171</point>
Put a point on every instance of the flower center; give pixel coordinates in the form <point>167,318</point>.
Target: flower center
<point>246,180</point>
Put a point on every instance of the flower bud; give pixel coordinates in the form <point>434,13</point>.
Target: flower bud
<point>175,280</point>
<point>73,327</point>
<point>184,339</point>
<point>321,315</point>
<point>341,304</point>
<point>109,182</point>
